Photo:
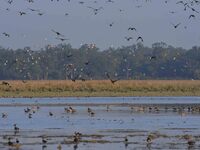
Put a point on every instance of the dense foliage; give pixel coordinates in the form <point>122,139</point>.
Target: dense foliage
<point>161,61</point>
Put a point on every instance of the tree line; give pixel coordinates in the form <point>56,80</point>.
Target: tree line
<point>160,61</point>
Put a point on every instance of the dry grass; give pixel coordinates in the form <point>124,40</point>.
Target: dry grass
<point>61,88</point>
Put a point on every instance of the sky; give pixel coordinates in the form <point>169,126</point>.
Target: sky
<point>152,20</point>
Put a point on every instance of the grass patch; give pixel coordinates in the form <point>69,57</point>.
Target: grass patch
<point>65,88</point>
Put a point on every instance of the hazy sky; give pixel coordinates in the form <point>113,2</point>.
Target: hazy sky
<point>152,20</point>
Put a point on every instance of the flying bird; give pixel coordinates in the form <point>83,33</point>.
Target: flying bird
<point>153,58</point>
<point>6,34</point>
<point>109,77</point>
<point>40,13</point>
<point>111,24</point>
<point>10,1</point>
<point>22,13</point>
<point>132,28</point>
<point>61,39</point>
<point>34,9</point>
<point>57,33</point>
<point>180,2</point>
<point>140,38</point>
<point>191,16</point>
<point>176,25</point>
<point>128,38</point>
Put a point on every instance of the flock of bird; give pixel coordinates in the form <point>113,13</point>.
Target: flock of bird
<point>76,138</point>
<point>188,5</point>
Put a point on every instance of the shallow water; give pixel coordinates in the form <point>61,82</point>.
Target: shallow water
<point>107,128</point>
<point>131,100</point>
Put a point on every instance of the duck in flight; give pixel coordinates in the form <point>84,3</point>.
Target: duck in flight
<point>111,24</point>
<point>61,39</point>
<point>22,13</point>
<point>140,38</point>
<point>37,10</point>
<point>132,28</point>
<point>191,16</point>
<point>176,25</point>
<point>57,33</point>
<point>109,77</point>
<point>6,34</point>
<point>128,38</point>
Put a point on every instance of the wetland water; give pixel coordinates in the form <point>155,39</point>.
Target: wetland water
<point>170,122</point>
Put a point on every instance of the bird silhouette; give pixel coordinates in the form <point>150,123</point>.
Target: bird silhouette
<point>37,10</point>
<point>111,24</point>
<point>9,141</point>
<point>50,114</point>
<point>10,1</point>
<point>176,25</point>
<point>66,14</point>
<point>5,83</point>
<point>132,28</point>
<point>40,13</point>
<point>109,77</point>
<point>191,16</point>
<point>89,110</point>
<point>44,141</point>
<point>15,127</point>
<point>6,34</point>
<point>128,38</point>
<point>4,115</point>
<point>87,62</point>
<point>22,13</point>
<point>140,38</point>
<point>57,33</point>
<point>62,39</point>
<point>180,2</point>
<point>153,58</point>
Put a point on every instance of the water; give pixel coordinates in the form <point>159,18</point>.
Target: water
<point>132,100</point>
<point>128,117</point>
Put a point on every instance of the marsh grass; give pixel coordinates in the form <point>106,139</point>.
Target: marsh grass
<point>62,88</point>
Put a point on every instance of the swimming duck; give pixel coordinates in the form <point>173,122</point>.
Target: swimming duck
<point>15,127</point>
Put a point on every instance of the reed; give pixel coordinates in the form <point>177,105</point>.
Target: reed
<point>63,88</point>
